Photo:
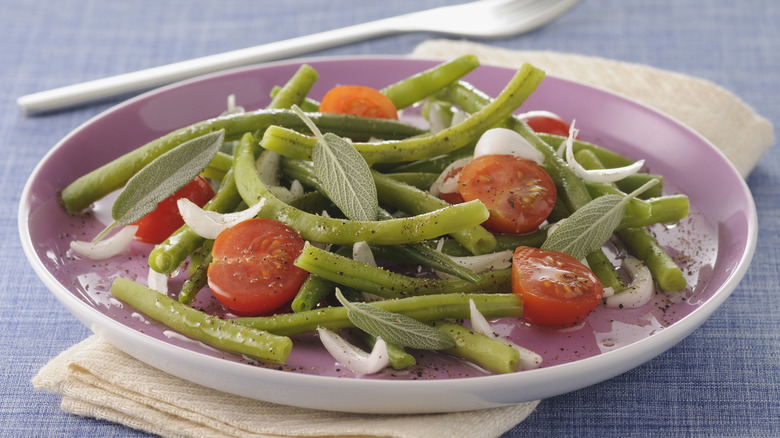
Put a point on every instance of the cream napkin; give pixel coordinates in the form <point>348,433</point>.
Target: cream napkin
<point>97,380</point>
<point>742,135</point>
<point>92,376</point>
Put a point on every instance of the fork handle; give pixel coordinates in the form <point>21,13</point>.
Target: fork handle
<point>142,80</point>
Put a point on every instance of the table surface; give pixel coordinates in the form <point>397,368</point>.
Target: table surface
<point>723,380</point>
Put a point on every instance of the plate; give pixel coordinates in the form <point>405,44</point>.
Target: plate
<point>715,245</point>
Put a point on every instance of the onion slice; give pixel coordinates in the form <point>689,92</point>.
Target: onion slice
<point>107,247</point>
<point>157,281</point>
<point>641,289</point>
<point>482,263</point>
<point>443,184</point>
<point>209,224</point>
<point>502,141</point>
<point>596,175</point>
<point>352,357</point>
<point>528,359</point>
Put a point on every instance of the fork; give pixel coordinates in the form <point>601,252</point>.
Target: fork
<point>482,19</point>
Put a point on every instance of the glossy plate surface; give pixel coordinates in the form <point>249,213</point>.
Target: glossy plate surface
<point>715,245</point>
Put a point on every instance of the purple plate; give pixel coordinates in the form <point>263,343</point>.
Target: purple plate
<point>714,244</point>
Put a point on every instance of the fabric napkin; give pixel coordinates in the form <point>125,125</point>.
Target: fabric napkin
<point>715,113</point>
<point>92,375</point>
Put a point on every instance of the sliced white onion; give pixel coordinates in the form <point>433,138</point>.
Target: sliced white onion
<point>443,184</point>
<point>287,195</point>
<point>209,224</point>
<point>362,253</point>
<point>157,281</point>
<point>502,141</point>
<point>641,289</point>
<point>352,357</point>
<point>528,359</point>
<point>482,263</point>
<point>107,247</point>
<point>597,175</point>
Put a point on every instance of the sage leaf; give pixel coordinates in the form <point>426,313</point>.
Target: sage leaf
<point>164,176</point>
<point>395,328</point>
<point>588,228</point>
<point>344,174</point>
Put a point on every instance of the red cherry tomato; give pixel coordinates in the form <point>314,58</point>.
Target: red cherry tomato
<point>517,192</point>
<point>156,226</point>
<point>252,271</point>
<point>358,100</point>
<point>557,290</point>
<point>546,122</point>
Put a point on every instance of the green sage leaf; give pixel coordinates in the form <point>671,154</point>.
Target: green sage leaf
<point>344,174</point>
<point>395,328</point>
<point>588,228</point>
<point>164,176</point>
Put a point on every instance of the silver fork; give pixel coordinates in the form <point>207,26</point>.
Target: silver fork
<point>480,19</point>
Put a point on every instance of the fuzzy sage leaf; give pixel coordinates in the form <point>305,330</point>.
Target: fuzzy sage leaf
<point>344,174</point>
<point>394,328</point>
<point>588,228</point>
<point>164,176</point>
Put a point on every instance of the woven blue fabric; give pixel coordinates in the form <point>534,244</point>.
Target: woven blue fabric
<point>723,380</point>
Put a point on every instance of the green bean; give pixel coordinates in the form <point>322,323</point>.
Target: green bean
<point>503,242</point>
<point>313,290</point>
<point>339,231</point>
<point>642,212</point>
<point>486,352</point>
<point>308,105</point>
<point>399,358</point>
<point>294,145</point>
<point>424,308</point>
<point>387,284</point>
<point>418,180</point>
<point>222,334</point>
<point>198,270</point>
<point>413,89</point>
<point>296,89</point>
<point>98,183</point>
<point>665,271</point>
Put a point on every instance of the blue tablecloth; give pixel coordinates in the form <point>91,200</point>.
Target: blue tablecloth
<point>723,380</point>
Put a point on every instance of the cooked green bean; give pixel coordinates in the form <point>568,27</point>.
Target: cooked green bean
<point>415,88</point>
<point>424,308</point>
<point>423,255</point>
<point>296,89</point>
<point>489,353</point>
<point>294,145</point>
<point>339,231</point>
<point>313,290</point>
<point>98,183</point>
<point>220,333</point>
<point>665,271</point>
<point>389,285</point>
<point>590,160</point>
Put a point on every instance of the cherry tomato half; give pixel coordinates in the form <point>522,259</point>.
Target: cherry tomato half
<point>358,100</point>
<point>252,271</point>
<point>517,192</point>
<point>557,290</point>
<point>156,226</point>
<point>546,122</point>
